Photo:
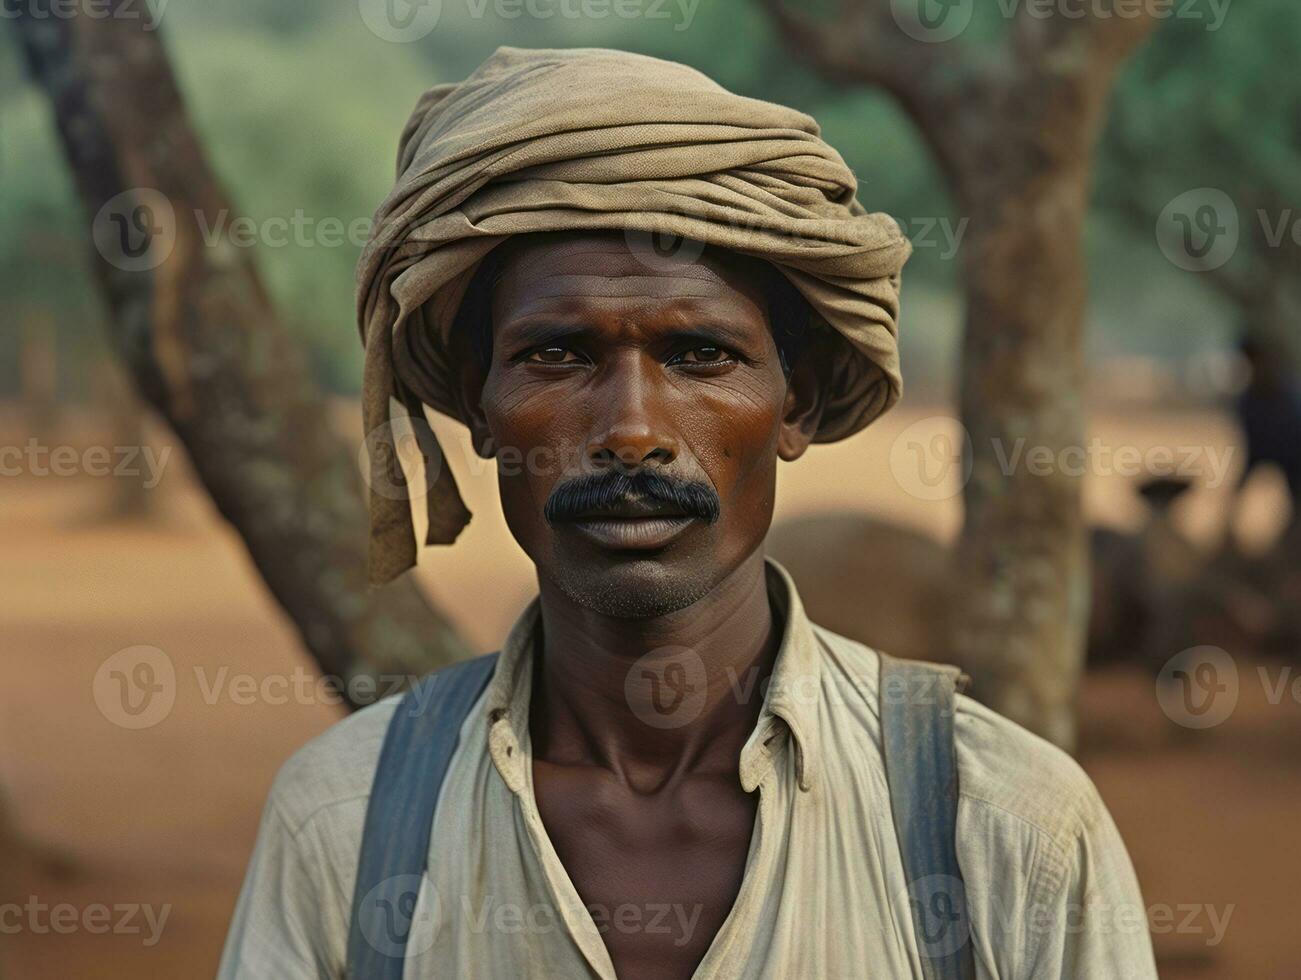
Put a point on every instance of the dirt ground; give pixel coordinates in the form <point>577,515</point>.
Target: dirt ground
<point>165,816</point>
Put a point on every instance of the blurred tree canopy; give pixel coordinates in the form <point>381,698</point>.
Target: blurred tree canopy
<point>300,106</point>
<point>1218,110</point>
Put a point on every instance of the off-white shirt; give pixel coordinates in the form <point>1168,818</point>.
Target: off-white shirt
<point>1050,889</point>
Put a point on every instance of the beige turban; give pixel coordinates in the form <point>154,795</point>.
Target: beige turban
<point>586,138</point>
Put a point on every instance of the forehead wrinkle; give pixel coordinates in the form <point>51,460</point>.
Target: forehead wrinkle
<point>609,258</point>
<point>539,279</point>
<point>675,310</point>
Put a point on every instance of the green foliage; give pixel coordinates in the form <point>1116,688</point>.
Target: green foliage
<point>1201,108</point>
<point>300,106</point>
<point>303,132</point>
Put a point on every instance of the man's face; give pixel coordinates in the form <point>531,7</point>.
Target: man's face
<point>637,410</point>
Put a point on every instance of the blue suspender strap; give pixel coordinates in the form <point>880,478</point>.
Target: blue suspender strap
<point>418,747</point>
<point>917,705</point>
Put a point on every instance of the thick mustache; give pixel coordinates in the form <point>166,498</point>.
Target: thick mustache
<point>599,491</point>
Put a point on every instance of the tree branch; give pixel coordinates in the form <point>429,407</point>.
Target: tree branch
<point>866,46</point>
<point>199,336</point>
<point>1058,42</point>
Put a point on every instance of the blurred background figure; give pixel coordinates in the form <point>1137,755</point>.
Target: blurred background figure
<point>1269,411</point>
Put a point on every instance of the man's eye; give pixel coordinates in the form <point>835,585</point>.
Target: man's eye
<point>705,355</point>
<point>553,355</point>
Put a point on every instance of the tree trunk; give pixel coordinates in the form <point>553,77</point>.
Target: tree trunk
<point>194,326</point>
<point>1014,135</point>
<point>1020,610</point>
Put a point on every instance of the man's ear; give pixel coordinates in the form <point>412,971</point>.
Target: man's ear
<point>471,378</point>
<point>802,411</point>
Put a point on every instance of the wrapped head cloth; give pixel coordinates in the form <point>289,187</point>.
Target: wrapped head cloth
<point>592,139</point>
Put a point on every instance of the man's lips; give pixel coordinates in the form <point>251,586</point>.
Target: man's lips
<point>632,533</point>
<point>631,524</point>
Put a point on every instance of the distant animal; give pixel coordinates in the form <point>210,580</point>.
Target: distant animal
<point>1154,592</point>
<point>862,577</point>
<point>1138,580</point>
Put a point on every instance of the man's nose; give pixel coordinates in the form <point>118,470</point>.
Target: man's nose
<point>634,427</point>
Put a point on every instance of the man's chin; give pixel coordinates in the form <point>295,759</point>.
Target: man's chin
<point>632,586</point>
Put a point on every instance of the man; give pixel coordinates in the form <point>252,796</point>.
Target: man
<point>1269,413</point>
<point>668,771</point>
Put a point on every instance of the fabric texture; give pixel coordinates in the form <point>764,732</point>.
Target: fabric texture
<point>1050,889</point>
<point>594,139</point>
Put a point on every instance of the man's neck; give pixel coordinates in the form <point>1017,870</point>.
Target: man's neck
<point>708,661</point>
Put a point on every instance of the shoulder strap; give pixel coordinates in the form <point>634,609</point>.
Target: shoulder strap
<point>418,747</point>
<point>917,704</point>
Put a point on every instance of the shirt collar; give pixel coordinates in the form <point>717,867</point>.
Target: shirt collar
<point>787,721</point>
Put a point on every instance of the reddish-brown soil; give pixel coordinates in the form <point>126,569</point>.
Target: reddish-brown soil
<point>165,816</point>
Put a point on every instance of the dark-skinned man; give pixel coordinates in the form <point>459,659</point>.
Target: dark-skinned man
<point>640,292</point>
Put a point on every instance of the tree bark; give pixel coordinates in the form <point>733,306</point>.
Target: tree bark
<point>196,329</point>
<point>1013,131</point>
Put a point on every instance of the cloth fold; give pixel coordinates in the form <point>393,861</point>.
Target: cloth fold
<point>594,139</point>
